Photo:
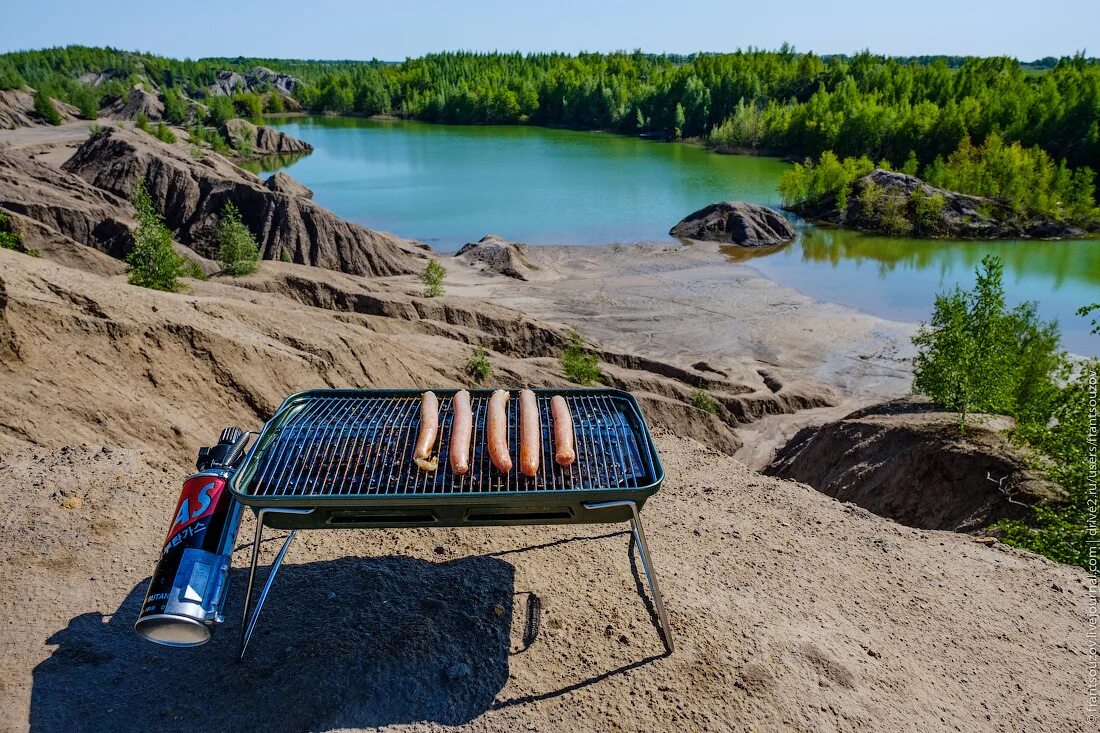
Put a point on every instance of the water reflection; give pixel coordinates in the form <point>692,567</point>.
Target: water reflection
<point>271,163</point>
<point>895,277</point>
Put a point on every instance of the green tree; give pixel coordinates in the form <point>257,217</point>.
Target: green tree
<point>153,262</point>
<point>45,109</point>
<point>432,277</point>
<point>175,107</point>
<point>237,250</point>
<point>219,109</point>
<point>977,355</point>
<point>579,365</point>
<point>678,121</point>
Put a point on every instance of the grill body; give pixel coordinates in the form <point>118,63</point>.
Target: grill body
<point>347,455</point>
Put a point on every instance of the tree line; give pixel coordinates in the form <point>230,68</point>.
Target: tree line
<point>782,101</point>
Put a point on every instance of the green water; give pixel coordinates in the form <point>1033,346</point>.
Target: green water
<point>448,185</point>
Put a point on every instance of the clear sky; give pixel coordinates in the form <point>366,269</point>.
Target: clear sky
<point>397,29</point>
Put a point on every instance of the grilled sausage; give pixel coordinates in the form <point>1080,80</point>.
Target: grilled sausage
<point>429,430</point>
<point>496,431</point>
<point>461,428</point>
<point>530,433</point>
<point>563,431</point>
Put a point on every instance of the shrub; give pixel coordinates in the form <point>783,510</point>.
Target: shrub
<point>926,213</point>
<point>43,105</point>
<point>701,400</point>
<point>175,106</point>
<point>274,103</point>
<point>219,109</point>
<point>977,355</point>
<point>192,269</point>
<point>248,105</point>
<point>285,257</point>
<point>242,143</point>
<point>432,278</point>
<point>141,122</point>
<point>479,366</point>
<point>1060,530</point>
<point>163,133</point>
<point>87,102</point>
<point>579,365</point>
<point>9,238</point>
<point>824,183</point>
<point>152,260</point>
<point>237,250</point>
<point>883,212</point>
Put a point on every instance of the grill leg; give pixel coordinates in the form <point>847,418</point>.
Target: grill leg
<point>248,623</point>
<point>647,564</point>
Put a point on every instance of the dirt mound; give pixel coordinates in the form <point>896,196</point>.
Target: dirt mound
<point>138,102</point>
<point>68,211</point>
<point>498,255</point>
<point>248,342</point>
<point>735,222</point>
<point>908,461</point>
<point>17,109</point>
<point>190,194</point>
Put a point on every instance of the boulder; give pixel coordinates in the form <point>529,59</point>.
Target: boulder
<point>962,216</point>
<point>190,193</point>
<point>137,102</point>
<point>282,183</point>
<point>735,222</point>
<point>908,461</point>
<point>493,254</point>
<point>261,139</point>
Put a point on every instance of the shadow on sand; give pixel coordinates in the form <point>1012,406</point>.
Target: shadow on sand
<point>355,642</point>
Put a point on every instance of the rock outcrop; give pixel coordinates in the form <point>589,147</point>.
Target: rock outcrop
<point>498,255</point>
<point>17,109</point>
<point>69,212</point>
<point>262,140</point>
<point>227,83</point>
<point>137,102</point>
<point>961,216</point>
<point>735,222</point>
<point>190,193</point>
<point>907,460</point>
<point>282,183</point>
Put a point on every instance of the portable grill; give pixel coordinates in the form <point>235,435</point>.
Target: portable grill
<point>343,459</point>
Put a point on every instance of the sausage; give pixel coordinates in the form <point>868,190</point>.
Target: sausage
<point>496,431</point>
<point>429,430</point>
<point>530,433</point>
<point>461,428</point>
<point>563,431</point>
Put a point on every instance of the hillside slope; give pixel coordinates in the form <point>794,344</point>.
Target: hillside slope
<point>790,610</point>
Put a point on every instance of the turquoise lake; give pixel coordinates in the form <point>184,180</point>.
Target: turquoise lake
<point>448,185</point>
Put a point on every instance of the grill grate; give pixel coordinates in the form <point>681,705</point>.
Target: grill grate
<point>360,445</point>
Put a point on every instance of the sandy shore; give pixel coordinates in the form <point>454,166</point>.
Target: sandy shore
<point>691,303</point>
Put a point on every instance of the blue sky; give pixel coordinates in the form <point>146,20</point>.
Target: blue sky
<point>396,29</point>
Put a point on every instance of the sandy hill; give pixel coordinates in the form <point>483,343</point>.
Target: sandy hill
<point>791,610</point>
